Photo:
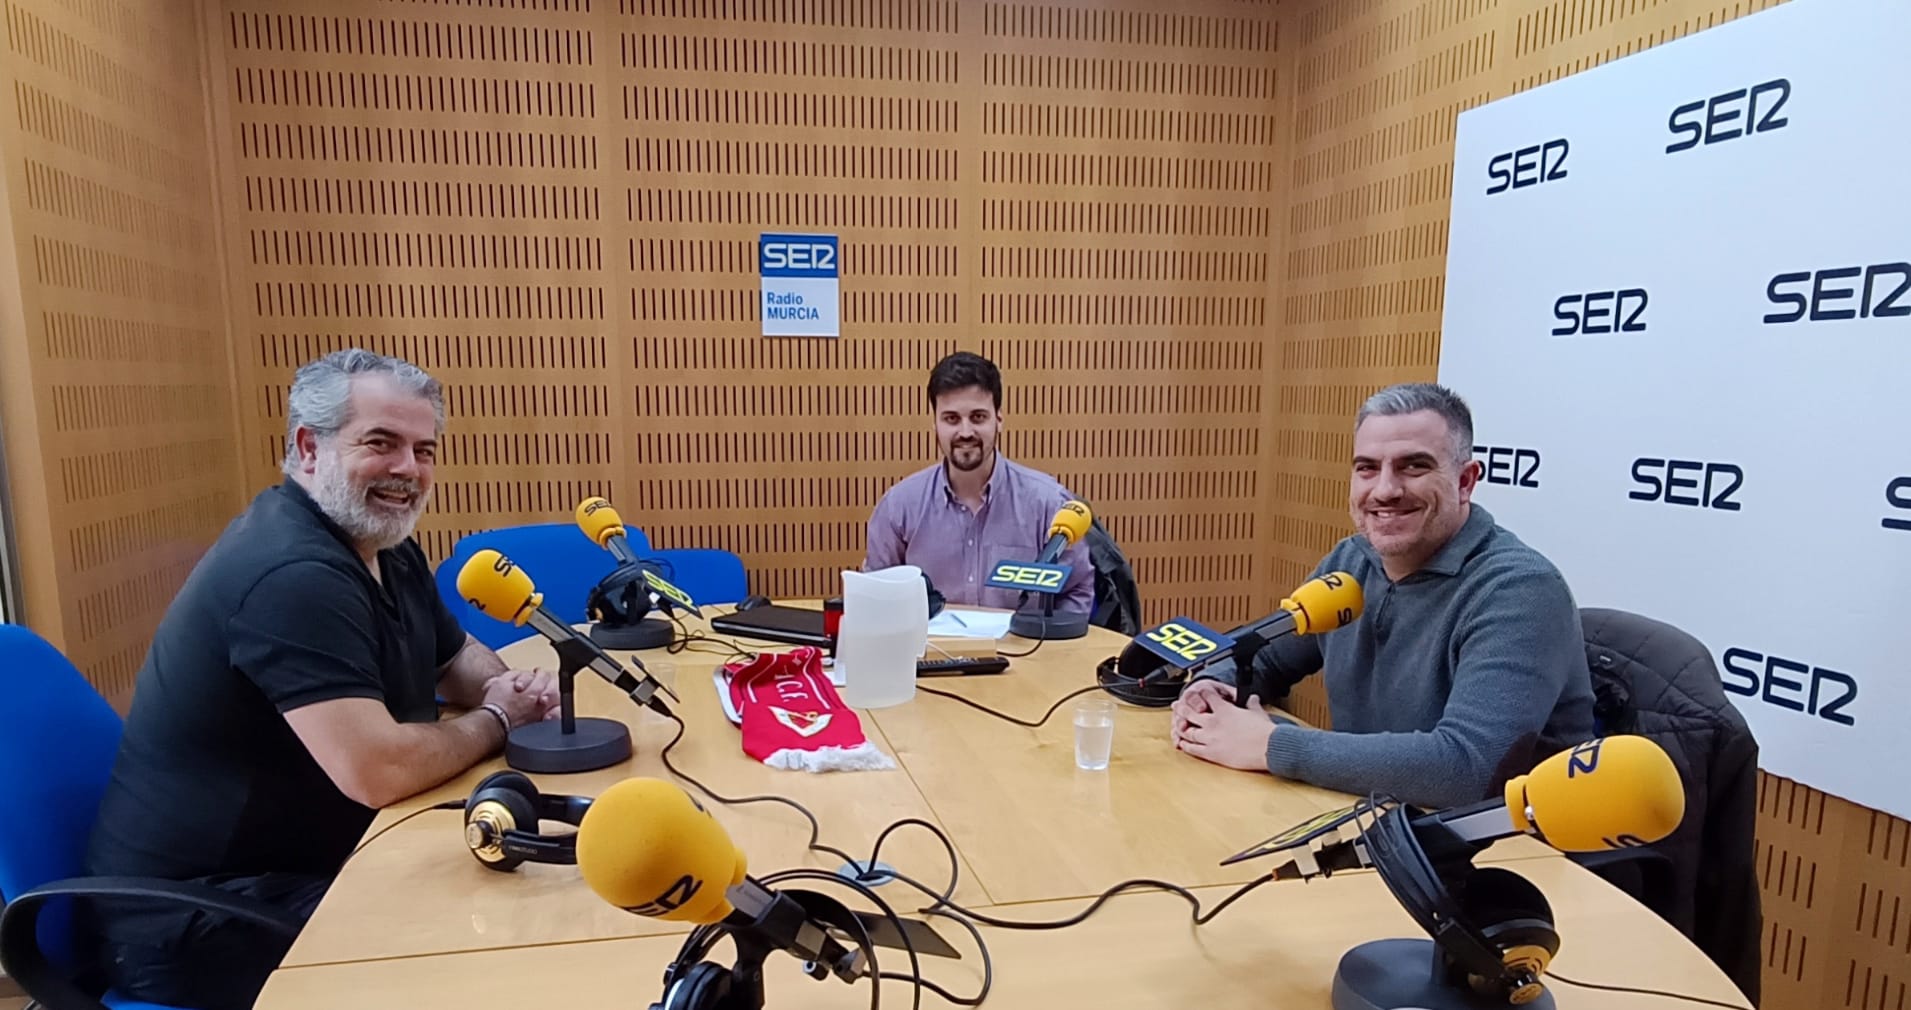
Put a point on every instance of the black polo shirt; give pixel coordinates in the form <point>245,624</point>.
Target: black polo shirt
<point>280,613</point>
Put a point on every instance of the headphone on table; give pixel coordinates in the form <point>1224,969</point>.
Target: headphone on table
<point>1120,676</point>
<point>693,983</point>
<point>501,823</point>
<point>1495,935</point>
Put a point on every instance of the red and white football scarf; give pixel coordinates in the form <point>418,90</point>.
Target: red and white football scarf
<point>794,719</point>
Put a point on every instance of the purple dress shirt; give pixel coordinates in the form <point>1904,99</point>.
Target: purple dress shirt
<point>920,522</point>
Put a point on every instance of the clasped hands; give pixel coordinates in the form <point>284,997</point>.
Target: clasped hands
<point>527,696</point>
<point>1208,725</point>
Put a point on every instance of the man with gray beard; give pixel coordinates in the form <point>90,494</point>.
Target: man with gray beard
<point>291,690</point>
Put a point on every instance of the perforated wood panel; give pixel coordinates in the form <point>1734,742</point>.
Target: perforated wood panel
<point>117,393</point>
<point>555,207</point>
<point>1378,86</point>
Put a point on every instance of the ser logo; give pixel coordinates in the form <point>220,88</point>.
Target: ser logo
<point>1760,105</point>
<point>1528,166</point>
<point>1508,466</point>
<point>1897,494</point>
<point>1687,482</point>
<point>1583,760</point>
<point>1881,290</point>
<point>797,255</point>
<point>1770,679</point>
<point>1183,642</point>
<point>1601,312</point>
<point>1028,575</point>
<point>673,898</point>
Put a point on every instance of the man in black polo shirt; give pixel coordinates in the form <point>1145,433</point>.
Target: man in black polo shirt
<point>290,691</point>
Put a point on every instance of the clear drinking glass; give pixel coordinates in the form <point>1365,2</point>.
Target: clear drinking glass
<point>1094,732</point>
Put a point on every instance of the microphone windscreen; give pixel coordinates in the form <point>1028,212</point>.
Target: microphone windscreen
<point>1610,793</point>
<point>1324,603</point>
<point>599,521</point>
<point>1072,521</point>
<point>497,587</point>
<point>647,847</point>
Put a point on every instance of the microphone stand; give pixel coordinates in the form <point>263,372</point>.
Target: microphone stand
<point>570,744</point>
<point>767,921</point>
<point>1243,653</point>
<point>1045,626</point>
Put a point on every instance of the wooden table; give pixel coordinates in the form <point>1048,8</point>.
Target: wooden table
<point>414,920</point>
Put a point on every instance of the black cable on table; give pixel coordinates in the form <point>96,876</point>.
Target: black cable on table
<point>816,828</point>
<point>446,805</point>
<point>1642,992</point>
<point>1004,716</point>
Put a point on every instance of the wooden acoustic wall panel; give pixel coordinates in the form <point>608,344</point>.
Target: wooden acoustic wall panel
<point>118,399</point>
<point>1128,180</point>
<point>425,180</point>
<point>555,206</point>
<point>740,117</point>
<point>1379,84</point>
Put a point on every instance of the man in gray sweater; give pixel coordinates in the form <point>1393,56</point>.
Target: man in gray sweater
<point>1467,664</point>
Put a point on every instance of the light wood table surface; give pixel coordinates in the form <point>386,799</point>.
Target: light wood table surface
<point>414,920</point>
<point>1275,948</point>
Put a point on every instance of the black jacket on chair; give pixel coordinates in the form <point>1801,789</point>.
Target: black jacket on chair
<point>1117,601</point>
<point>1654,680</point>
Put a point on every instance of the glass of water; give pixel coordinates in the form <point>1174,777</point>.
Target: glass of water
<point>1094,732</point>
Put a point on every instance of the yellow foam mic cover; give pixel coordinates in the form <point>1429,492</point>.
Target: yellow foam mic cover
<point>1071,520</point>
<point>496,586</point>
<point>647,847</point>
<point>1609,793</point>
<point>1324,603</point>
<point>599,521</point>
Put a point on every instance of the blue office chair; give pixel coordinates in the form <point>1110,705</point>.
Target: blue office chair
<point>58,739</point>
<point>709,576</point>
<point>560,559</point>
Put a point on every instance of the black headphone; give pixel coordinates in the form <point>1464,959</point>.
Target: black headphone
<point>1495,935</point>
<point>704,985</point>
<point>1121,675</point>
<point>622,597</point>
<point>619,604</point>
<point>693,983</point>
<point>501,818</point>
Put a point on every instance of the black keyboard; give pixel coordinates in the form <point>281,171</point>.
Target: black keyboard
<point>960,666</point>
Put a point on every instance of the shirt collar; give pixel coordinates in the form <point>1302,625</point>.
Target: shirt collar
<point>999,474</point>
<point>298,495</point>
<point>1451,557</point>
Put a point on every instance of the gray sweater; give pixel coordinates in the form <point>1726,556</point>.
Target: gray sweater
<point>1468,670</point>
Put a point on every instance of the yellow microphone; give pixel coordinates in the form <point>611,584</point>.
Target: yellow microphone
<point>605,527</point>
<point>497,587</point>
<point>1610,793</point>
<point>1070,524</point>
<point>1324,603</point>
<point>647,847</point>
<point>1317,606</point>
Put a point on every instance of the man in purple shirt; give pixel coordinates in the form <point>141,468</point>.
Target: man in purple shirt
<point>957,519</point>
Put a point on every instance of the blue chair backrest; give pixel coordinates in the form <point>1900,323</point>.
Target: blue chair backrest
<point>560,559</point>
<point>709,576</point>
<point>58,740</point>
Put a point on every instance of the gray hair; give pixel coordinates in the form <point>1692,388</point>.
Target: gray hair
<point>1413,397</point>
<point>321,397</point>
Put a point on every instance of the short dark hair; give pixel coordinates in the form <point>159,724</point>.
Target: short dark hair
<point>962,370</point>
